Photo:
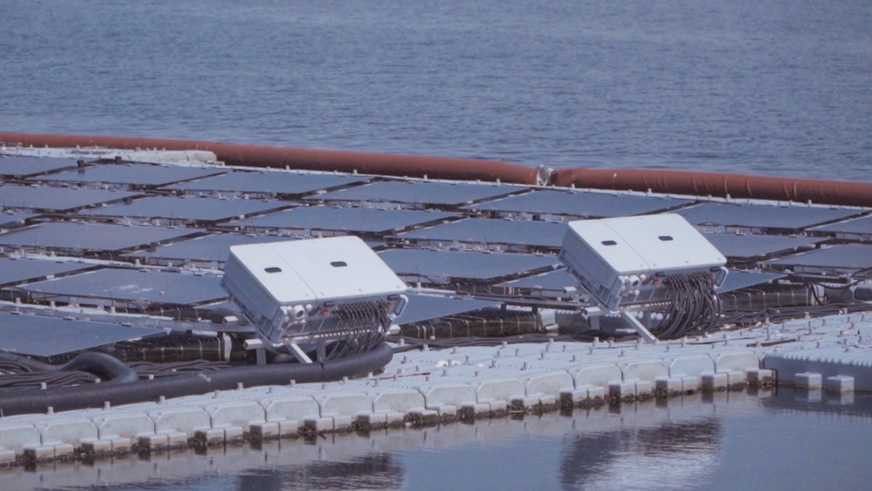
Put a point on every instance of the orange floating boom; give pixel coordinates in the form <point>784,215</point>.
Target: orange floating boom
<point>659,181</point>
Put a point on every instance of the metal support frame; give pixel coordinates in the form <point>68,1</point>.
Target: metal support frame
<point>643,331</point>
<point>259,348</point>
<point>301,356</point>
<point>594,313</point>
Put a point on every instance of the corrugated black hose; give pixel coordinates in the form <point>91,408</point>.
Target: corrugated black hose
<point>123,390</point>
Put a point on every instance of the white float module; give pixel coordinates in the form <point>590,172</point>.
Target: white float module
<point>309,287</point>
<point>627,259</point>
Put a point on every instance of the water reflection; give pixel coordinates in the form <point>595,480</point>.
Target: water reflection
<point>371,471</point>
<point>675,454</point>
<point>689,442</point>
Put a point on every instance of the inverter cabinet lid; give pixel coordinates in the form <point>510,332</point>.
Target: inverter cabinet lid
<point>318,269</point>
<point>648,243</point>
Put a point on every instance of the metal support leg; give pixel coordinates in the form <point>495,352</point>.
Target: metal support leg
<point>260,351</point>
<point>301,355</point>
<point>635,324</point>
<point>260,354</point>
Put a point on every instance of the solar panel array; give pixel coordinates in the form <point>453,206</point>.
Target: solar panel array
<point>18,167</point>
<point>99,241</point>
<point>420,194</point>
<point>579,204</point>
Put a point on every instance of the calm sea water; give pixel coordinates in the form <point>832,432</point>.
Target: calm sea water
<point>780,87</point>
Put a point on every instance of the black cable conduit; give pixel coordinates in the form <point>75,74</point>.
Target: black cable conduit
<point>106,367</point>
<point>122,390</point>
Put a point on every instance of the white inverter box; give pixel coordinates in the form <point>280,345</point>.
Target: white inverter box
<point>627,259</point>
<point>288,289</point>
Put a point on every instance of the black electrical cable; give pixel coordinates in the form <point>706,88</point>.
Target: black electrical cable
<point>781,314</point>
<point>87,367</point>
<point>145,369</point>
<point>691,306</point>
<point>366,325</point>
<point>29,380</point>
<point>122,391</point>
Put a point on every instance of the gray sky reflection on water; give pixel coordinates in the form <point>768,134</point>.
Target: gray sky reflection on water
<point>789,440</point>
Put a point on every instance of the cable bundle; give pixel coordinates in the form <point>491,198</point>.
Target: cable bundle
<point>691,305</point>
<point>366,324</point>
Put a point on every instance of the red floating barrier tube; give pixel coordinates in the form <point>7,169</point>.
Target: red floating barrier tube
<point>658,181</point>
<point>305,159</point>
<point>721,185</point>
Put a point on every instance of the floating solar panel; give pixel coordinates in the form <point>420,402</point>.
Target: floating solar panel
<point>441,267</point>
<point>30,166</point>
<point>737,280</point>
<point>49,336</point>
<point>518,234</point>
<point>139,289</point>
<point>13,271</point>
<point>187,209</point>
<point>837,259</point>
<point>422,308</point>
<point>857,227</point>
<point>273,183</point>
<point>89,237</point>
<point>759,246</point>
<point>137,175</point>
<point>57,198</point>
<point>208,249</point>
<point>762,216</point>
<point>352,220</point>
<point>555,281</point>
<point>580,204</point>
<point>11,220</point>
<point>421,192</point>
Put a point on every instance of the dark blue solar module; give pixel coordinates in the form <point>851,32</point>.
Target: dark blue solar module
<point>286,183</point>
<point>57,198</point>
<point>10,220</point>
<point>861,227</point>
<point>443,247</point>
<point>205,209</point>
<point>750,246</point>
<point>840,258</point>
<point>554,281</point>
<point>486,231</point>
<point>762,216</point>
<point>439,267</point>
<point>50,336</point>
<point>580,204</point>
<point>421,192</point>
<point>211,248</point>
<point>141,288</point>
<point>736,280</point>
<point>14,166</point>
<point>132,174</point>
<point>426,307</point>
<point>14,271</point>
<point>363,220</point>
<point>90,236</point>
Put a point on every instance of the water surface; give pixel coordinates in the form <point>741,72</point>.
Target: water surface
<point>780,87</point>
